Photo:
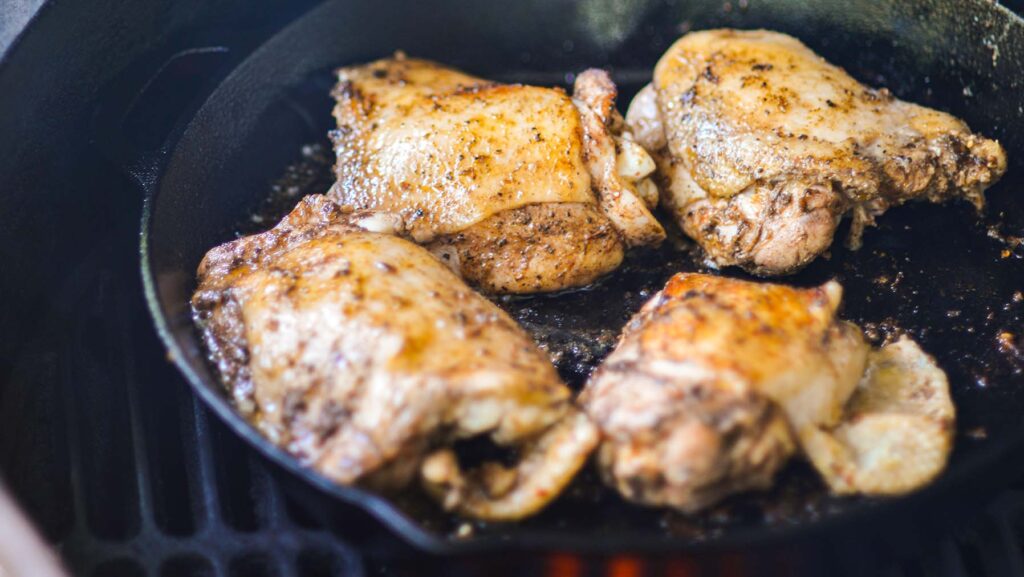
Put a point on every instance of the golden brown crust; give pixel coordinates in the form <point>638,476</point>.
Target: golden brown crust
<point>535,248</point>
<point>447,150</point>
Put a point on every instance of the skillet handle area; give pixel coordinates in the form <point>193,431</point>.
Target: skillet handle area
<point>135,126</point>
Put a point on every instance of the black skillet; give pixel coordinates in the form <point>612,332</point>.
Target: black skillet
<point>941,273</point>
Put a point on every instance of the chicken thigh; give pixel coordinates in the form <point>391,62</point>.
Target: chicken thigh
<point>717,382</point>
<point>763,146</point>
<point>519,189</point>
<point>364,356</point>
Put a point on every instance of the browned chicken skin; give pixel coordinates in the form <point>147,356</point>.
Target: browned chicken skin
<point>514,186</point>
<point>716,382</point>
<point>363,355</point>
<point>763,147</point>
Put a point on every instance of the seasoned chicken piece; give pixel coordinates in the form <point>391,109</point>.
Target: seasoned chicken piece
<point>518,188</point>
<point>763,146</point>
<point>693,401</point>
<point>361,354</point>
<point>716,382</point>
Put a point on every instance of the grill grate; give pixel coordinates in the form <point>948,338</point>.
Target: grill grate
<point>238,525</point>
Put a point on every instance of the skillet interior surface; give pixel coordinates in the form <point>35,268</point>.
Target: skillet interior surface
<point>948,277</point>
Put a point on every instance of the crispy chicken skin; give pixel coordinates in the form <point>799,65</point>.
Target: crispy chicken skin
<point>515,186</point>
<point>763,146</point>
<point>362,354</point>
<point>716,382</point>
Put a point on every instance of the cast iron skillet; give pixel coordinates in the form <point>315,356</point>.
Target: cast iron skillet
<point>941,273</point>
